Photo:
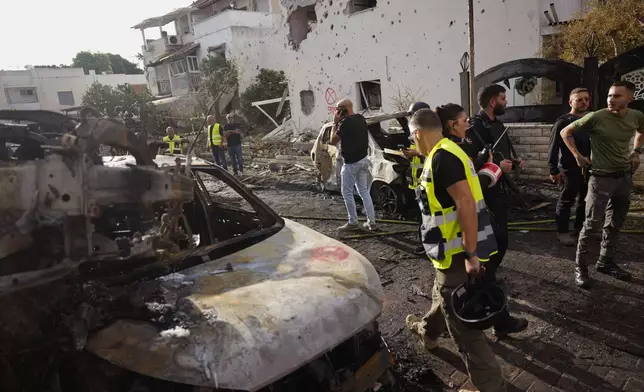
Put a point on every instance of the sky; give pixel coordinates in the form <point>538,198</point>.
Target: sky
<point>45,32</point>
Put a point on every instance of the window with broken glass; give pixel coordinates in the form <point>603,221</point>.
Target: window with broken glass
<point>193,64</point>
<point>178,68</point>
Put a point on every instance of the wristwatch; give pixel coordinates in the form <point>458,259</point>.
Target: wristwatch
<point>470,255</point>
<point>638,150</point>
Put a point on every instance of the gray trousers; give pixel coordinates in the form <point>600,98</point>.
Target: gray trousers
<point>481,363</point>
<point>607,202</point>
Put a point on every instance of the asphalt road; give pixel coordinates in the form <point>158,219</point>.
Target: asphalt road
<point>578,340</point>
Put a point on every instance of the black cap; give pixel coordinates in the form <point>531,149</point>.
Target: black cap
<point>418,106</point>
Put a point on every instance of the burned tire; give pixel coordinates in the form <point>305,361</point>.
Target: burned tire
<point>387,198</point>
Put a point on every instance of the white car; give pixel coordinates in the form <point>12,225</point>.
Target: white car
<point>388,171</point>
<point>151,277</point>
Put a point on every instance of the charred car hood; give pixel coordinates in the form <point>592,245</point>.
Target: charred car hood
<point>286,301</point>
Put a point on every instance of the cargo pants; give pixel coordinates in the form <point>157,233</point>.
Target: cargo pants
<point>481,363</point>
<point>607,202</point>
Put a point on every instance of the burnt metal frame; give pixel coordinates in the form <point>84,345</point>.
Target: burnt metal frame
<point>613,70</point>
<point>597,79</point>
<point>569,75</point>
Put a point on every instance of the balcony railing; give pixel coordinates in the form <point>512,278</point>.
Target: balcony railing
<point>162,45</point>
<point>232,18</point>
<point>195,81</point>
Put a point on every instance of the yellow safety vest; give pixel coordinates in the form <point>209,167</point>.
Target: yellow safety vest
<point>214,138</point>
<point>441,231</point>
<point>174,145</point>
<point>416,164</point>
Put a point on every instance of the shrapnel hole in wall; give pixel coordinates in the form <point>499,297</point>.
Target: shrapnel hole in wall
<point>307,101</point>
<point>301,22</point>
<point>354,6</point>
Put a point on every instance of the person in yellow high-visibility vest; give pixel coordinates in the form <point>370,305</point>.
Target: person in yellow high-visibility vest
<point>217,142</point>
<point>417,161</point>
<point>458,238</point>
<point>174,142</point>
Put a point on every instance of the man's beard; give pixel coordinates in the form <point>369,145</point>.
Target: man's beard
<point>499,110</point>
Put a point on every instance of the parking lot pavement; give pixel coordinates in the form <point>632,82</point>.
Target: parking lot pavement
<point>578,340</point>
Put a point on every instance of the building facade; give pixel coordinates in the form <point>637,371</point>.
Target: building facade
<point>379,53</point>
<point>54,88</point>
<point>207,27</point>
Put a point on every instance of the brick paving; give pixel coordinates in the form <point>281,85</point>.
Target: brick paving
<point>578,340</point>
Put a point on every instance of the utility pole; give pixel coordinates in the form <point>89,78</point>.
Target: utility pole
<point>470,25</point>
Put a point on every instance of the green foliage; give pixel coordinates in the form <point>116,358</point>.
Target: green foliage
<point>618,24</point>
<point>269,84</point>
<point>104,62</point>
<point>124,103</point>
<point>219,78</point>
<point>123,66</point>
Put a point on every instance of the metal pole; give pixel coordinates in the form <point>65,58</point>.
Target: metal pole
<point>470,5</point>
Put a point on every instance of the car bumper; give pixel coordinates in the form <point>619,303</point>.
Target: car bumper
<point>370,372</point>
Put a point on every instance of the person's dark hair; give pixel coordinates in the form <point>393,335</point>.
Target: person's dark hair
<point>417,106</point>
<point>624,83</point>
<point>447,113</point>
<point>579,90</point>
<point>425,119</point>
<point>488,92</point>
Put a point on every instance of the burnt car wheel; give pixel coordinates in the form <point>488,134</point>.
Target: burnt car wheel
<point>387,198</point>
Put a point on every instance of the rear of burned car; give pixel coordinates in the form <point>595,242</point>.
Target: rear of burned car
<point>152,276</point>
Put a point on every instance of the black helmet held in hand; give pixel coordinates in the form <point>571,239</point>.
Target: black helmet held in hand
<point>479,304</point>
<point>417,106</point>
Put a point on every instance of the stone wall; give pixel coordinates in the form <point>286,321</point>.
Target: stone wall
<point>531,143</point>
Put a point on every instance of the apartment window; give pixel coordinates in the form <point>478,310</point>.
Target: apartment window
<point>16,95</point>
<point>193,64</point>
<point>178,68</point>
<point>370,94</point>
<point>354,6</point>
<point>66,98</point>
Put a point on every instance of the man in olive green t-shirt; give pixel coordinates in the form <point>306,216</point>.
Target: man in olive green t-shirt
<point>611,181</point>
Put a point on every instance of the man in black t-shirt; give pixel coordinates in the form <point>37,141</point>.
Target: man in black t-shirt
<point>351,131</point>
<point>233,135</point>
<point>573,183</point>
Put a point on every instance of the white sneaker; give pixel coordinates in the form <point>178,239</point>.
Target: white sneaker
<point>371,226</point>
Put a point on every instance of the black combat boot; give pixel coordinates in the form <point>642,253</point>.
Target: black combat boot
<point>581,277</point>
<point>509,326</point>
<point>608,267</point>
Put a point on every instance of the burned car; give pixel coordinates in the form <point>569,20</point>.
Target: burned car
<point>388,171</point>
<point>154,273</point>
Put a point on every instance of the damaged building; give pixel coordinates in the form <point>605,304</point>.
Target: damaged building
<point>234,30</point>
<point>382,53</point>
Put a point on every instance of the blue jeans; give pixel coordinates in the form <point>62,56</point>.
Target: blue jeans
<point>356,175</point>
<point>220,157</point>
<point>236,158</point>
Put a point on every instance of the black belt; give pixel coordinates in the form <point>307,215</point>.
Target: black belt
<point>617,174</point>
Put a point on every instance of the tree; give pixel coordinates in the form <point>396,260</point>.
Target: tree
<point>124,103</point>
<point>123,66</point>
<point>619,25</point>
<point>99,62</point>
<point>219,78</point>
<point>269,84</point>
<point>404,96</point>
<point>104,62</point>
